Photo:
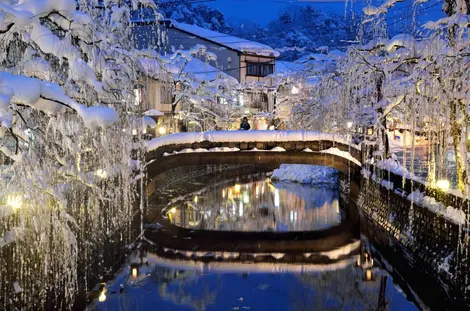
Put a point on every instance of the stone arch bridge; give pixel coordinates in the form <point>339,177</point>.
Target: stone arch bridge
<point>253,147</point>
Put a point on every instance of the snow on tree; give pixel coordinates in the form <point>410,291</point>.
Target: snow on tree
<point>66,113</point>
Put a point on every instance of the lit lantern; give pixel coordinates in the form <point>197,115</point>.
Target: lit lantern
<point>443,184</point>
<point>237,188</point>
<point>370,131</point>
<point>14,201</point>
<point>196,199</point>
<point>349,124</point>
<point>368,275</point>
<point>223,193</point>
<point>173,210</point>
<point>162,130</point>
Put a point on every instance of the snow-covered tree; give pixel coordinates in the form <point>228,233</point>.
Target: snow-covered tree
<point>66,113</point>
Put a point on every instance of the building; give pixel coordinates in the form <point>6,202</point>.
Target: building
<point>250,63</point>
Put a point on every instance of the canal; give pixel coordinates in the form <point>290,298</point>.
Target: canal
<point>239,238</point>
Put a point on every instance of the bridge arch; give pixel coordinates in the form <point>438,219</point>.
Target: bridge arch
<point>236,147</point>
<point>253,147</point>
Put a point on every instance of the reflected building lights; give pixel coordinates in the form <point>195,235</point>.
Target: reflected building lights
<point>246,197</point>
<point>302,208</point>
<point>276,198</point>
<point>135,272</point>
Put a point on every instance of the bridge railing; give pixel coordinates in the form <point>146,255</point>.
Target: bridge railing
<point>247,140</point>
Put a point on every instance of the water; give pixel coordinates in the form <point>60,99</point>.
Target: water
<point>353,278</point>
<point>169,286</point>
<point>260,205</point>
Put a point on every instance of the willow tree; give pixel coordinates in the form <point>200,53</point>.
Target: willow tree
<point>67,184</point>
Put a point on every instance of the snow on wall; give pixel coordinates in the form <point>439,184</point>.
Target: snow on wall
<point>246,136</point>
<point>450,213</point>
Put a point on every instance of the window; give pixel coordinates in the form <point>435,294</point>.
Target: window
<point>165,95</point>
<point>259,69</point>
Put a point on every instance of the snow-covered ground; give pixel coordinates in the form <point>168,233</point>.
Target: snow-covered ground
<point>306,174</point>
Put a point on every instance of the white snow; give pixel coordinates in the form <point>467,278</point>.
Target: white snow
<point>392,165</point>
<point>342,251</point>
<point>98,117</point>
<point>154,113</point>
<point>450,213</point>
<point>245,136</point>
<point>343,154</point>
<point>278,149</point>
<point>306,174</point>
<point>238,44</point>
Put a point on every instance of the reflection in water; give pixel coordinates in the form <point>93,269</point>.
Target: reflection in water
<point>260,206</point>
<point>167,284</point>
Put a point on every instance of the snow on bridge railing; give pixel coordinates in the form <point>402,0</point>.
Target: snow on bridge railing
<point>246,136</point>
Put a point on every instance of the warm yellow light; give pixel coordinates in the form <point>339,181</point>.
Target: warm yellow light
<point>223,193</point>
<point>370,132</point>
<point>196,199</point>
<point>257,190</point>
<point>173,210</point>
<point>134,272</point>
<point>368,274</point>
<point>102,297</point>
<point>443,184</point>
<point>134,132</point>
<point>162,130</point>
<point>101,173</point>
<point>144,130</point>
<point>230,194</point>
<point>14,201</point>
<point>237,188</point>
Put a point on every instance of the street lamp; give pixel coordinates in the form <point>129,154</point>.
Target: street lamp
<point>443,184</point>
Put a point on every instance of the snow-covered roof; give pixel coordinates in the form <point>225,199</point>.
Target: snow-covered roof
<point>200,70</point>
<point>231,42</point>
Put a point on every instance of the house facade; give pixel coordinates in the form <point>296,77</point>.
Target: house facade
<point>250,63</point>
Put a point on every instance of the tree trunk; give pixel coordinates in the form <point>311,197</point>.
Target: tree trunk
<point>456,132</point>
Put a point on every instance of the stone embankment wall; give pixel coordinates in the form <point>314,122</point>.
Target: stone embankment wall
<point>424,247</point>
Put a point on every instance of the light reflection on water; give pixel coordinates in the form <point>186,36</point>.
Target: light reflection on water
<point>162,285</point>
<point>260,206</point>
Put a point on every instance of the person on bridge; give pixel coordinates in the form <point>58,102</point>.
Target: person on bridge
<point>245,125</point>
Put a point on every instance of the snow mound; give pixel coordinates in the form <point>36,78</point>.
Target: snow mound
<point>306,174</point>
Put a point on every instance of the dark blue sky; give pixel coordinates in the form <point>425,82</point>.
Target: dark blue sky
<point>263,11</point>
